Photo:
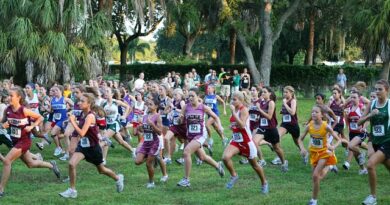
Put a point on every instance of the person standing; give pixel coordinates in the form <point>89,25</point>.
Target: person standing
<point>245,80</point>
<point>225,80</point>
<point>342,79</point>
<point>196,77</point>
<point>139,83</point>
<point>236,81</point>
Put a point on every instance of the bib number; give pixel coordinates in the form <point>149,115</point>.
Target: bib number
<point>16,132</point>
<point>378,130</point>
<point>237,137</point>
<point>135,118</point>
<point>176,121</point>
<point>317,143</point>
<point>286,118</point>
<point>194,129</point>
<point>57,116</point>
<point>353,126</point>
<point>253,117</point>
<point>84,142</point>
<point>263,122</point>
<point>148,137</point>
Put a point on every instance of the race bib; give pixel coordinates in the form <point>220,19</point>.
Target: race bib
<point>353,126</point>
<point>176,121</point>
<point>378,130</point>
<point>286,118</point>
<point>148,137</point>
<point>16,132</point>
<point>135,118</point>
<point>263,122</point>
<point>337,119</point>
<point>57,116</point>
<point>84,142</point>
<point>246,81</point>
<point>316,142</point>
<point>252,117</point>
<point>77,112</point>
<point>194,128</point>
<point>163,115</point>
<point>237,137</point>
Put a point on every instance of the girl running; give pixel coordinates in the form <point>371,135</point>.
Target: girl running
<point>241,142</point>
<point>321,151</point>
<point>88,148</point>
<point>193,114</point>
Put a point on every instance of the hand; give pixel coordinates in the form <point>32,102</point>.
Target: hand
<point>71,117</point>
<point>28,128</point>
<point>150,121</point>
<point>284,101</point>
<point>374,112</point>
<point>232,108</point>
<point>6,125</point>
<point>303,152</point>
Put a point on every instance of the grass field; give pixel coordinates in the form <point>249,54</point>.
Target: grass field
<point>38,186</point>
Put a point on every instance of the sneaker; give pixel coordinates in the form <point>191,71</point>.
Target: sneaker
<point>362,158</point>
<point>244,161</point>
<point>55,169</point>
<point>57,151</point>
<point>225,141</point>
<point>233,180</point>
<point>333,168</point>
<point>182,146</point>
<point>164,178</point>
<point>276,161</point>
<point>47,138</point>
<point>198,161</point>
<point>284,166</point>
<point>265,188</point>
<point>69,193</point>
<point>180,161</point>
<point>65,157</point>
<point>167,160</point>
<point>66,180</point>
<point>305,159</point>
<point>210,142</point>
<point>119,183</point>
<point>262,163</point>
<point>346,152</point>
<point>104,162</point>
<point>1,194</point>
<point>150,185</point>
<point>108,142</point>
<point>40,145</point>
<point>312,202</point>
<point>220,169</point>
<point>39,156</point>
<point>184,182</point>
<point>370,200</point>
<point>363,171</point>
<point>346,165</point>
<point>210,149</point>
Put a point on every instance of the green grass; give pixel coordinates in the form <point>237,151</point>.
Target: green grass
<point>39,186</point>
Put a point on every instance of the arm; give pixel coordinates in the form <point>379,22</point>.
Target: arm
<point>37,117</point>
<point>241,120</point>
<point>69,102</point>
<point>223,103</point>
<point>271,109</point>
<point>126,106</point>
<point>213,115</point>
<point>333,116</point>
<point>367,114</point>
<point>157,128</point>
<point>293,107</point>
<point>300,141</point>
<point>90,119</point>
<point>333,147</point>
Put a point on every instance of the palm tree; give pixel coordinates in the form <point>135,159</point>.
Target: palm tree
<point>134,47</point>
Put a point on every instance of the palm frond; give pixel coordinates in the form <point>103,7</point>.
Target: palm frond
<point>45,13</point>
<point>57,43</point>
<point>8,61</point>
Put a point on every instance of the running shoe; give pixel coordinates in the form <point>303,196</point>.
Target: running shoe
<point>182,146</point>
<point>184,182</point>
<point>55,169</point>
<point>69,193</point>
<point>47,138</point>
<point>346,152</point>
<point>134,154</point>
<point>65,157</point>
<point>220,169</point>
<point>108,142</point>
<point>276,161</point>
<point>210,142</point>
<point>198,161</point>
<point>168,160</point>
<point>225,141</point>
<point>150,185</point>
<point>58,151</point>
<point>39,156</point>
<point>363,171</point>
<point>265,188</point>
<point>66,180</point>
<point>119,183</point>
<point>233,180</point>
<point>370,200</point>
<point>210,149</point>
<point>284,166</point>
<point>305,159</point>
<point>164,178</point>
<point>1,194</point>
<point>104,162</point>
<point>40,145</point>
<point>312,202</point>
<point>243,161</point>
<point>333,168</point>
<point>262,163</point>
<point>362,158</point>
<point>180,161</point>
<point>346,165</point>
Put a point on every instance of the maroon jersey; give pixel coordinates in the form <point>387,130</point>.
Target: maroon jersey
<point>91,138</point>
<point>17,121</point>
<point>287,117</point>
<point>338,111</point>
<point>264,122</point>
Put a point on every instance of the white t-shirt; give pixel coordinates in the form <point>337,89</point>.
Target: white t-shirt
<point>139,84</point>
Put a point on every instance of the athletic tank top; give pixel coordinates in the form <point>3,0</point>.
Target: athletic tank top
<point>245,81</point>
<point>77,112</point>
<point>112,112</point>
<point>264,122</point>
<point>338,111</point>
<point>162,105</point>
<point>139,108</point>
<point>240,135</point>
<point>212,102</point>
<point>318,137</point>
<point>17,121</point>
<point>175,112</point>
<point>353,118</point>
<point>254,114</point>
<point>194,121</point>
<point>287,117</point>
<point>380,124</point>
<point>59,109</point>
<point>91,138</point>
<point>33,103</point>
<point>149,134</point>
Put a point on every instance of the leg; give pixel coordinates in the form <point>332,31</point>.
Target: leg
<point>209,122</point>
<point>375,159</point>
<point>119,139</point>
<point>188,150</point>
<point>150,167</point>
<point>279,151</point>
<point>317,174</point>
<point>139,159</point>
<point>259,171</point>
<point>73,145</point>
<point>168,137</point>
<point>73,162</point>
<point>282,131</point>
<point>27,158</point>
<point>229,152</point>
<point>106,171</point>
<point>12,155</point>
<point>206,158</point>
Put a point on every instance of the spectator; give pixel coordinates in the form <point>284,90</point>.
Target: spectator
<point>213,78</point>
<point>245,80</point>
<point>236,81</point>
<point>342,79</point>
<point>139,83</point>
<point>196,77</point>
<point>220,75</point>
<point>225,80</point>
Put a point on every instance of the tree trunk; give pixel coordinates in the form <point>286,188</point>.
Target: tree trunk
<point>249,59</point>
<point>385,55</point>
<point>190,40</point>
<point>232,46</point>
<point>122,72</point>
<point>65,72</point>
<point>29,71</point>
<point>310,49</point>
<point>266,61</point>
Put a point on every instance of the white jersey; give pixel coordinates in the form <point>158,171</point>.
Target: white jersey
<point>33,103</point>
